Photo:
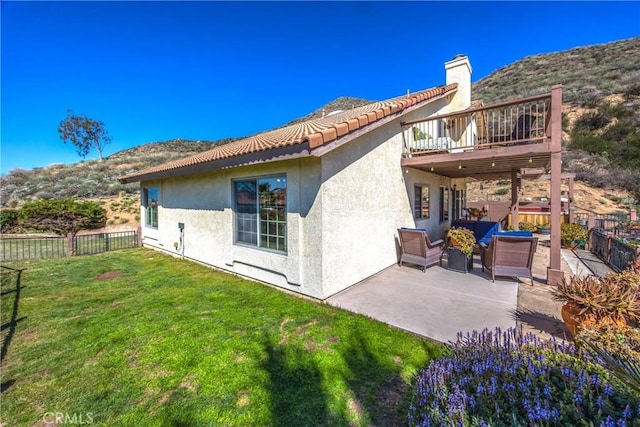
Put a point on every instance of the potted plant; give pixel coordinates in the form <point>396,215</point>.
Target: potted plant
<point>460,253</point>
<point>591,300</point>
<point>544,228</point>
<point>572,235</point>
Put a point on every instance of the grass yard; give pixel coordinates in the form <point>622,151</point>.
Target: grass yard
<point>134,337</point>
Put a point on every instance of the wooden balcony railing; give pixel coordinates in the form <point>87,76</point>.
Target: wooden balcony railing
<point>526,121</point>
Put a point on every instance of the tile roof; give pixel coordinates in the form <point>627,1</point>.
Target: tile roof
<point>315,132</point>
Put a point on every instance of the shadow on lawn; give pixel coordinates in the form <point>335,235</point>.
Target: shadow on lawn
<point>295,387</point>
<point>10,279</point>
<point>382,400</point>
<point>299,398</point>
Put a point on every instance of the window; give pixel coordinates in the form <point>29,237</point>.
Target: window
<point>444,204</point>
<point>421,201</point>
<point>261,212</point>
<point>151,206</point>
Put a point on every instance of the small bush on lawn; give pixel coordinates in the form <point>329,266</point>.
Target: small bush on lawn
<point>508,378</point>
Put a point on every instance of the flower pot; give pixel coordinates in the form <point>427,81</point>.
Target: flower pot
<point>574,321</point>
<point>458,261</point>
<point>571,317</point>
<point>544,230</point>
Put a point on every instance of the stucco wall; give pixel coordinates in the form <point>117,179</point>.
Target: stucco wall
<point>204,203</point>
<point>366,197</point>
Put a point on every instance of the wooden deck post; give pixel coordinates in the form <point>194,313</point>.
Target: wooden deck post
<point>515,202</point>
<point>554,271</point>
<point>591,220</point>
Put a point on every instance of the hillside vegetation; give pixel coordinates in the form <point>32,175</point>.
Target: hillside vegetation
<point>601,142</point>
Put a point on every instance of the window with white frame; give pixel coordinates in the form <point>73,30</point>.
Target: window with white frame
<point>421,204</point>
<point>150,195</point>
<point>261,212</point>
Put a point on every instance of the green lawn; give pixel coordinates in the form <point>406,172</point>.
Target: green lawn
<point>134,337</point>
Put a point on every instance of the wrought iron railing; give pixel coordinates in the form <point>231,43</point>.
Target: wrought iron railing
<point>526,121</point>
<point>615,253</point>
<point>89,244</point>
<point>19,248</point>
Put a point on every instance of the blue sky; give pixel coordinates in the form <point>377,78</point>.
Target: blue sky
<point>153,71</point>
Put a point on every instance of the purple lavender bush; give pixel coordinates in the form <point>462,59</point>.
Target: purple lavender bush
<point>512,379</point>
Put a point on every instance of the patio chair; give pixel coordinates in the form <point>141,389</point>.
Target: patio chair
<point>509,256</point>
<point>416,248</point>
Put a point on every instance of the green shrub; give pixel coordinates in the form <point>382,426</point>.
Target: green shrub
<point>527,226</point>
<point>61,216</point>
<point>501,191</point>
<point>8,220</point>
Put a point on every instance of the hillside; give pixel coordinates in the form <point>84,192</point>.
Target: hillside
<point>600,85</point>
<point>587,74</point>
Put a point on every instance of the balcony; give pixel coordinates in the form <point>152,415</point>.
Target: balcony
<point>485,142</point>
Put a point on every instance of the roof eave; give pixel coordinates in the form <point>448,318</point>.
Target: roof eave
<point>272,155</point>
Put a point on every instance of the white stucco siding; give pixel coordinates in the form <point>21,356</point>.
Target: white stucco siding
<point>205,205</point>
<point>366,197</point>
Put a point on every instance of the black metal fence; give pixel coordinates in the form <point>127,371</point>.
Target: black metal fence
<point>611,250</point>
<point>22,248</point>
<point>18,249</point>
<point>89,244</point>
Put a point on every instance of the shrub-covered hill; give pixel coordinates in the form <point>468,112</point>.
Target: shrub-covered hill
<point>93,178</point>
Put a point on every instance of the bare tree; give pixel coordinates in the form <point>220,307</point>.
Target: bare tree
<point>84,133</point>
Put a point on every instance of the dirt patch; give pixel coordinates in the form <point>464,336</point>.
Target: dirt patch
<point>243,399</point>
<point>109,275</point>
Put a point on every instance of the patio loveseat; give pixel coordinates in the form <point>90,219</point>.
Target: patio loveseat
<point>482,230</point>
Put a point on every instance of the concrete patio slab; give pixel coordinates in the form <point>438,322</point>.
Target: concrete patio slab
<point>436,304</point>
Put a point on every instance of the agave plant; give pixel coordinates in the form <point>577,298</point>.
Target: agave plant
<point>609,299</point>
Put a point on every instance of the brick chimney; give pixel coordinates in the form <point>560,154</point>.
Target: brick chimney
<point>459,71</point>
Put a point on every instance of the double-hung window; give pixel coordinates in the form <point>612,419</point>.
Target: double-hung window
<point>261,212</point>
<point>151,207</point>
<point>421,207</point>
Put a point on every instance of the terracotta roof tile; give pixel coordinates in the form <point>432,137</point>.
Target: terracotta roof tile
<point>315,132</point>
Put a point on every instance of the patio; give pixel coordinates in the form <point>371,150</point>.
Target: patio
<point>435,304</point>
<point>438,303</point>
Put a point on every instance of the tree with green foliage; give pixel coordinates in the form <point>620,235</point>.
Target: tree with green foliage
<point>62,216</point>
<point>84,133</point>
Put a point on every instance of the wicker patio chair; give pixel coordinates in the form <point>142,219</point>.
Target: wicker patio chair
<point>509,256</point>
<point>416,248</point>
